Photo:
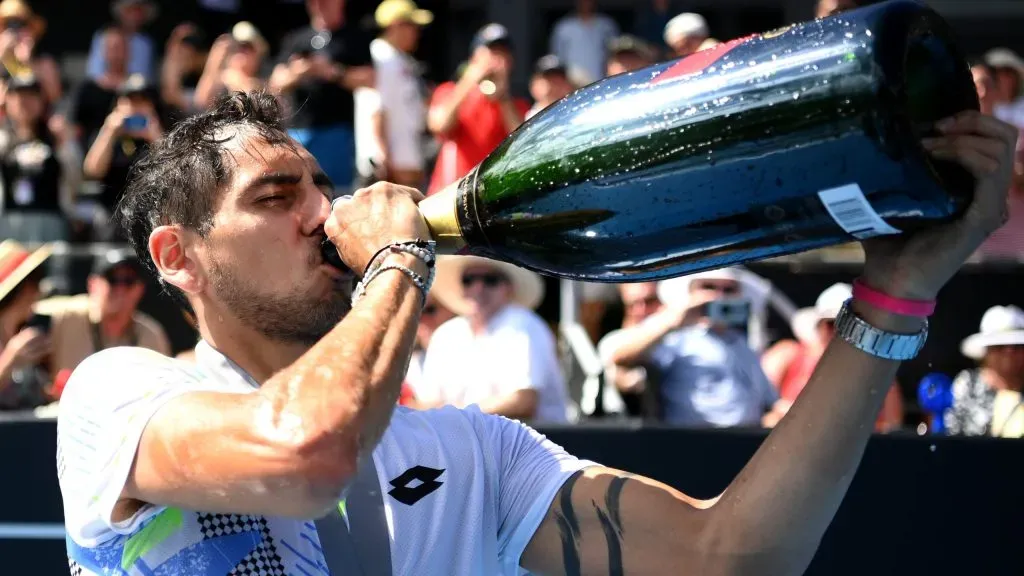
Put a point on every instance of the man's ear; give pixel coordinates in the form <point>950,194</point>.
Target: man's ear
<point>173,252</point>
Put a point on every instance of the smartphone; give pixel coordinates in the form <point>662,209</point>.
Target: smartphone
<point>41,322</point>
<point>135,123</point>
<point>729,312</point>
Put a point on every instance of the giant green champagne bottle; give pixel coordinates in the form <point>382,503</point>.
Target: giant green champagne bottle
<point>778,143</point>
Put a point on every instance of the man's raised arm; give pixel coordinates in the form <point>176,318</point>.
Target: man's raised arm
<point>773,515</point>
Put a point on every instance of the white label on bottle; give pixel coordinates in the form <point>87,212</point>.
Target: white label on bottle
<point>854,214</point>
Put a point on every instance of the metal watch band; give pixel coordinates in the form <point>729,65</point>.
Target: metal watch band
<point>879,343</point>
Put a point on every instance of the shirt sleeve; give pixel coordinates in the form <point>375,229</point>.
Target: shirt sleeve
<point>106,405</point>
<point>531,469</point>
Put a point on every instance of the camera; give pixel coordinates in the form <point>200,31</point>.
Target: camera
<point>729,312</point>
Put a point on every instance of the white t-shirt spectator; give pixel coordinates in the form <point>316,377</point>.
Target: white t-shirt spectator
<point>490,482</point>
<point>582,44</point>
<point>401,96</point>
<point>517,352</point>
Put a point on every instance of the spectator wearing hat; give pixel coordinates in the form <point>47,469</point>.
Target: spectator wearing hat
<point>318,70</point>
<point>20,31</point>
<point>39,179</point>
<point>550,83</point>
<point>998,348</point>
<point>105,316</point>
<point>233,65</point>
<point>685,33</point>
<point>131,16</point>
<point>789,364</point>
<point>498,353</point>
<point>24,345</point>
<point>391,120</point>
<point>472,116</point>
<point>628,53</point>
<point>581,39</point>
<point>707,374</point>
<point>127,131</point>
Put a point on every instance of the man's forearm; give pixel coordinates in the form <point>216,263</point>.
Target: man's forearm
<point>510,114</point>
<point>637,341</point>
<point>785,497</point>
<point>520,405</point>
<point>346,386</point>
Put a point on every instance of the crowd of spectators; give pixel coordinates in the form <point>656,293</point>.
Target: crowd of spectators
<point>358,101</point>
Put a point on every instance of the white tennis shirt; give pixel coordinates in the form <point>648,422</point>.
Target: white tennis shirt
<point>463,492</point>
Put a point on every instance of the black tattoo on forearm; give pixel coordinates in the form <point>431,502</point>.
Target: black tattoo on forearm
<point>569,527</point>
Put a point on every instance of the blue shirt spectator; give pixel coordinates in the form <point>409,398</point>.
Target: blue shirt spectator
<point>711,377</point>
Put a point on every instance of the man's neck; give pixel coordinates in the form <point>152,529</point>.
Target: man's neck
<point>258,355</point>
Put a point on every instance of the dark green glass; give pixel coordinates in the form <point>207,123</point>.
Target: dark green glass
<point>719,158</point>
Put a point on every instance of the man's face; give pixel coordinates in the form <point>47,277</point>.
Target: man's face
<point>1005,360</point>
<point>407,35</point>
<point>486,289</point>
<point>502,55</point>
<point>133,15</point>
<point>640,301</point>
<point>262,255</point>
<point>550,87</point>
<point>117,291</point>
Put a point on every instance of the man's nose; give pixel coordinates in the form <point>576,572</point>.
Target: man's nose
<point>319,211</point>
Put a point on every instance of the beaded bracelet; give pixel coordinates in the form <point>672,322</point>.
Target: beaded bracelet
<point>424,250</point>
<point>417,280</point>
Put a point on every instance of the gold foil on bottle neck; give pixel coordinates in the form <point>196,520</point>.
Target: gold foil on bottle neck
<point>440,212</point>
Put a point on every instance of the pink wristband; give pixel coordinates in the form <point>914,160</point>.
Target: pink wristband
<point>882,301</point>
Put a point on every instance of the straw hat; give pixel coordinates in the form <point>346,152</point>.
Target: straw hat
<point>16,263</point>
<point>527,287</point>
<point>391,11</point>
<point>1000,326</point>
<point>19,10</point>
<point>804,322</point>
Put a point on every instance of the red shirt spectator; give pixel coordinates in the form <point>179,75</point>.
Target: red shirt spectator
<point>472,116</point>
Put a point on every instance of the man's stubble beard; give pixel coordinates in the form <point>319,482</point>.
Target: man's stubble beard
<point>295,318</point>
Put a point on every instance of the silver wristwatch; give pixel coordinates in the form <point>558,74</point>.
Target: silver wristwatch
<point>875,342</point>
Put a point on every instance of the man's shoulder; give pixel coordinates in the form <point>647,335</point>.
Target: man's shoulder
<point>126,366</point>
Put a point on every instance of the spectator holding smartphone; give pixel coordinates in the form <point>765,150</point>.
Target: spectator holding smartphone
<point>706,373</point>
<point>319,68</point>
<point>233,65</point>
<point>128,130</point>
<point>24,345</point>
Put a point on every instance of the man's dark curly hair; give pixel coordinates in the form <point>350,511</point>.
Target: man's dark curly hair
<point>180,179</point>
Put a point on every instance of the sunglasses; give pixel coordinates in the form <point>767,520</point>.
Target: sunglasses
<point>490,279</point>
<point>429,310</point>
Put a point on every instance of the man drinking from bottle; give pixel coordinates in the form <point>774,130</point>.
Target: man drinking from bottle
<point>246,461</point>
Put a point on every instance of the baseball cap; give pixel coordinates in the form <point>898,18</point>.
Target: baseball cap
<point>391,11</point>
<point>685,25</point>
<point>113,258</point>
<point>490,35</point>
<point>550,64</point>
